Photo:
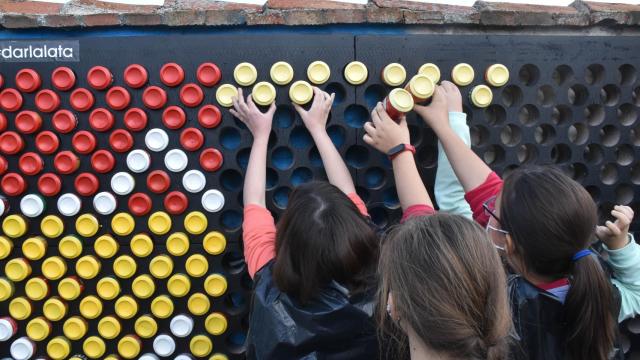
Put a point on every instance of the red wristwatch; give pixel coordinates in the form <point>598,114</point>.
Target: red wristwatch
<point>400,148</point>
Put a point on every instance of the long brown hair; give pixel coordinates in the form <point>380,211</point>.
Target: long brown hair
<point>448,284</point>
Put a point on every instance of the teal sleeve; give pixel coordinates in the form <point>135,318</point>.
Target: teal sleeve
<point>625,264</point>
<point>448,190</point>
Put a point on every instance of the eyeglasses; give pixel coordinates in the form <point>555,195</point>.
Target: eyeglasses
<point>489,207</point>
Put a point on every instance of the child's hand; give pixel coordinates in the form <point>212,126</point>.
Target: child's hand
<point>436,115</point>
<point>258,123</point>
<point>614,235</point>
<point>383,133</point>
<point>453,96</point>
<point>316,118</point>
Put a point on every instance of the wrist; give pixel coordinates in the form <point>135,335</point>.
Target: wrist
<point>261,138</point>
<point>399,149</point>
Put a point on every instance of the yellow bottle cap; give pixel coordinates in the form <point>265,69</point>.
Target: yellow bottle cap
<point>143,286</point>
<point>123,224</point>
<point>129,347</point>
<point>105,246</point>
<point>141,245</point>
<point>126,307</point>
<point>70,247</point>
<point>197,265</point>
<point>87,225</point>
<point>108,288</point>
<point>401,100</point>
<point>54,309</point>
<point>38,329</point>
<point>14,226</point>
<point>75,328</point>
<point>112,357</point>
<point>94,347</point>
<point>36,289</point>
<point>301,92</point>
<point>124,266</point>
<point>200,345</point>
<point>215,285</point>
<point>245,74</point>
<point>263,93</point>
<point>146,327</point>
<point>109,327</point>
<point>497,75</point>
<point>6,246</point>
<point>54,268</point>
<point>421,86</point>
<point>159,223</point>
<point>17,269</point>
<point>52,226</point>
<point>69,288</point>
<point>198,304</point>
<point>218,356</point>
<point>161,266</point>
<point>431,70</point>
<point>6,289</point>
<point>162,307</point>
<point>179,285</point>
<point>34,248</point>
<point>394,74</point>
<point>281,73</point>
<point>90,307</point>
<point>225,94</point>
<point>462,74</point>
<point>178,244</point>
<point>214,243</point>
<point>58,348</point>
<point>356,73</point>
<point>195,222</point>
<point>216,323</point>
<point>20,308</point>
<point>481,96</point>
<point>318,72</point>
<point>88,267</point>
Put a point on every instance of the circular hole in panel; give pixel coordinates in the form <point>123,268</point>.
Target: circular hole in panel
<point>528,115</point>
<point>544,134</point>
<point>511,95</point>
<point>627,74</point>
<point>562,74</point>
<point>610,95</point>
<point>561,115</point>
<point>235,342</point>
<point>379,216</point>
<point>427,157</point>
<point>357,156</point>
<point>300,137</point>
<point>627,114</point>
<point>635,136</point>
<point>624,194</point>
<point>624,155</point>
<point>635,174</point>
<point>527,154</point>
<point>374,178</point>
<point>337,135</point>
<point>578,171</point>
<point>282,158</point>
<point>415,135</point>
<point>594,74</point>
<point>479,135</point>
<point>235,302</point>
<point>356,115</point>
<point>231,220</point>
<point>594,191</point>
<point>339,90</point>
<point>593,154</point>
<point>578,133</point>
<point>231,180</point>
<point>594,114</point>
<point>609,174</point>
<point>495,115</point>
<point>233,262</point>
<point>529,74</point>
<point>239,124</point>
<point>284,116</point>
<point>281,197</point>
<point>243,158</point>
<point>510,135</point>
<point>493,155</point>
<point>363,193</point>
<point>636,96</point>
<point>314,157</point>
<point>390,198</point>
<point>272,178</point>
<point>301,175</point>
<point>560,153</point>
<point>545,95</point>
<point>230,138</point>
<point>273,140</point>
<point>374,94</point>
<point>610,135</point>
<point>578,94</point>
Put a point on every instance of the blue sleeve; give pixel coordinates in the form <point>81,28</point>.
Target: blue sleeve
<point>625,264</point>
<point>448,190</point>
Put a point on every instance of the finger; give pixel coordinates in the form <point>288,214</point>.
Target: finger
<point>318,96</point>
<point>419,108</point>
<point>627,210</point>
<point>602,232</point>
<point>379,110</point>
<point>368,139</point>
<point>240,96</point>
<point>622,218</point>
<point>375,118</point>
<point>382,113</point>
<point>613,228</point>
<point>369,128</point>
<point>403,122</point>
<point>272,109</point>
<point>235,113</point>
<point>234,100</point>
<point>250,104</point>
<point>331,99</point>
<point>300,110</point>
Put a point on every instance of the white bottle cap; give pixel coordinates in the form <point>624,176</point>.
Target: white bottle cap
<point>176,160</point>
<point>122,183</point>
<point>138,161</point>
<point>22,349</point>
<point>31,205</point>
<point>183,357</point>
<point>164,345</point>
<point>7,329</point>
<point>104,203</point>
<point>149,356</point>
<point>213,201</point>
<point>156,139</point>
<point>181,325</point>
<point>194,181</point>
<point>69,204</point>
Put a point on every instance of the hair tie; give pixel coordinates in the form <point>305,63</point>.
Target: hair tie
<point>580,254</point>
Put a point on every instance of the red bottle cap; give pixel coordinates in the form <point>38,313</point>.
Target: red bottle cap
<point>28,80</point>
<point>10,100</point>
<point>63,78</point>
<point>135,119</point>
<point>101,119</point>
<point>139,204</point>
<point>47,142</point>
<point>49,184</point>
<point>86,184</point>
<point>208,74</point>
<point>209,116</point>
<point>66,162</point>
<point>47,101</point>
<point>176,202</point>
<point>99,77</point>
<point>28,121</point>
<point>158,181</point>
<point>121,140</point>
<point>102,161</point>
<point>191,95</point>
<point>191,139</point>
<point>4,165</point>
<point>13,184</point>
<point>154,97</point>
<point>173,117</point>
<point>171,74</point>
<point>83,142</point>
<point>211,159</point>
<point>30,163</point>
<point>118,98</point>
<point>11,142</point>
<point>81,99</point>
<point>3,122</point>
<point>64,121</point>
<point>135,76</point>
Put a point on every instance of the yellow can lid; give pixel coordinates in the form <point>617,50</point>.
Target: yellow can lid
<point>6,289</point>
<point>195,222</point>
<point>20,308</point>
<point>198,304</point>
<point>90,307</point>
<point>112,357</point>
<point>34,248</point>
<point>58,348</point>
<point>179,285</point>
<point>75,328</point>
<point>122,224</point>
<point>214,243</point>
<point>431,70</point>
<point>105,246</point>
<point>216,323</point>
<point>88,266</point>
<point>161,266</point>
<point>356,73</point>
<point>178,244</point>
<point>245,74</point>
<point>109,327</point>
<point>141,245</point>
<point>497,75</point>
<point>54,309</point>
<point>263,93</point>
<point>401,99</point>
<point>318,72</point>
<point>281,73</point>
<point>6,246</point>
<point>108,288</point>
<point>159,223</point>
<point>394,74</point>
<point>69,288</point>
<point>129,347</point>
<point>421,86</point>
<point>54,268</point>
<point>38,329</point>
<point>87,225</point>
<point>215,285</point>
<point>126,307</point>
<point>36,288</point>
<point>146,327</point>
<point>462,74</point>
<point>124,266</point>
<point>197,265</point>
<point>14,226</point>
<point>200,345</point>
<point>481,96</point>
<point>51,226</point>
<point>94,347</point>
<point>218,356</point>
<point>70,247</point>
<point>162,307</point>
<point>17,269</point>
<point>301,92</point>
<point>143,286</point>
<point>225,94</point>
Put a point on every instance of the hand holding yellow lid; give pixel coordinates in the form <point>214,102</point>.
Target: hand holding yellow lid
<point>225,95</point>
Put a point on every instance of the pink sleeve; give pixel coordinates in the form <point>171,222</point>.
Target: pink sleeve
<point>417,210</point>
<point>483,192</point>
<point>359,203</point>
<point>259,236</point>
